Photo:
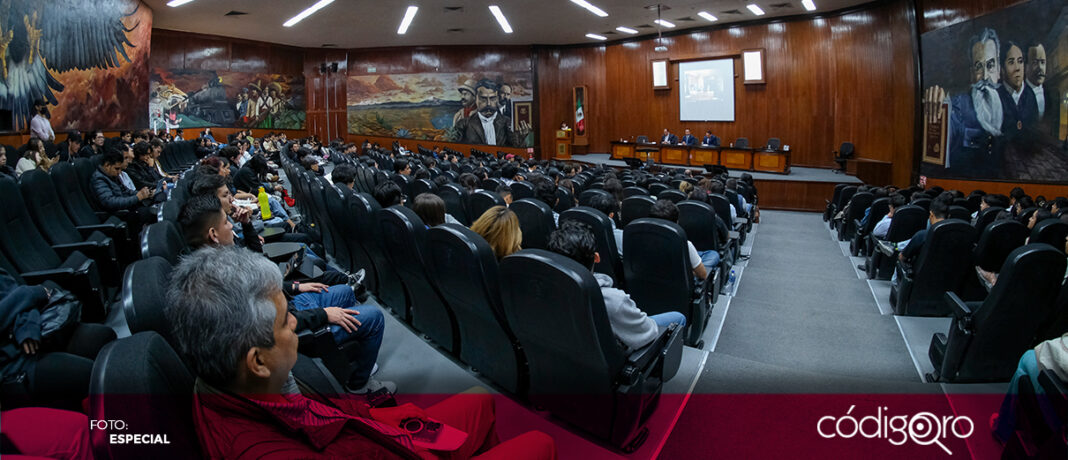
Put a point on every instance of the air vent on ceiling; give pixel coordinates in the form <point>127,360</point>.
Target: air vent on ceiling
<point>454,9</point>
<point>645,26</point>
<point>454,31</point>
<point>685,19</point>
<point>653,7</point>
<point>780,6</point>
<point>235,13</point>
<point>731,12</point>
<point>610,32</point>
<point>329,45</point>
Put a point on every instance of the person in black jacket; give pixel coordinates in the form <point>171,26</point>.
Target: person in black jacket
<point>5,169</point>
<point>112,197</point>
<point>54,373</point>
<point>143,174</point>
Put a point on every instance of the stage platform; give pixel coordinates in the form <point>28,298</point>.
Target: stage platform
<point>804,189</point>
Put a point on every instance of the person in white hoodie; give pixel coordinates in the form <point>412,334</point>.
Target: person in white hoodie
<point>629,323</point>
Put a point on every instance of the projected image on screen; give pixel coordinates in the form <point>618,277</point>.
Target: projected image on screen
<point>706,90</point>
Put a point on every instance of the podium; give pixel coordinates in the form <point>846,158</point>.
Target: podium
<point>563,144</point>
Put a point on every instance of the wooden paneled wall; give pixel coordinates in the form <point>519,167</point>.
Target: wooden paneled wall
<point>829,80</point>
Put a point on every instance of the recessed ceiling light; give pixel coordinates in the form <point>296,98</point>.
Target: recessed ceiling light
<point>308,12</point>
<point>708,17</point>
<point>664,23</point>
<point>755,9</point>
<point>596,37</point>
<point>174,3</point>
<point>591,8</point>
<point>503,21</point>
<point>809,5</point>
<point>626,30</point>
<point>409,15</point>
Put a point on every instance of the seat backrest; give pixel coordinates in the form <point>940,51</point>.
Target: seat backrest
<point>42,202</point>
<point>722,207</point>
<point>535,221</point>
<point>671,195</point>
<point>85,168</point>
<point>144,290</point>
<point>65,180</point>
<point>997,242</point>
<point>986,217</point>
<point>974,201</point>
<point>1049,231</point>
<point>365,180</point>
<point>846,195</point>
<point>698,220</point>
<point>469,280</point>
<point>389,289</point>
<point>162,239</point>
<point>657,265</point>
<point>559,317</point>
<point>846,150</point>
<point>142,381</point>
<point>172,209</point>
<point>879,208</point>
<point>858,204</point>
<point>741,143</point>
<point>480,201</point>
<point>960,212</point>
<point>634,191</point>
<point>656,187</point>
<point>455,198</point>
<point>906,222</point>
<point>943,264</point>
<point>774,143</point>
<point>564,199</point>
<point>1006,323</point>
<point>635,207</point>
<point>642,139</point>
<point>491,184</point>
<point>26,249</point>
<point>586,196</point>
<point>522,189</point>
<point>601,226</point>
<point>420,186</point>
<point>924,203</point>
<point>837,193</point>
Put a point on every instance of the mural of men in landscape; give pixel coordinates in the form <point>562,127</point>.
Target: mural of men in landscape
<point>990,110</point>
<point>467,98</point>
<point>487,125</point>
<point>232,99</point>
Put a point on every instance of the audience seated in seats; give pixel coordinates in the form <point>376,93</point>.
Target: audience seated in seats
<point>197,216</point>
<point>1049,355</point>
<point>5,169</point>
<point>431,210</point>
<point>897,200</point>
<point>142,170</point>
<point>701,263</point>
<point>499,226</point>
<point>94,144</point>
<point>246,404</point>
<point>402,167</point>
<point>1058,205</point>
<point>506,194</point>
<point>717,188</point>
<point>388,194</point>
<point>315,304</point>
<point>469,182</point>
<point>629,323</point>
<point>250,178</point>
<point>610,207</point>
<point>57,373</point>
<point>939,211</point>
<point>112,196</point>
<point>34,157</point>
<point>1038,216</point>
<point>344,174</point>
<point>68,150</point>
<point>991,201</point>
<point>545,191</point>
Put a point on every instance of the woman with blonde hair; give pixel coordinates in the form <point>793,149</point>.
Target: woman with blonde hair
<point>499,226</point>
<point>685,187</point>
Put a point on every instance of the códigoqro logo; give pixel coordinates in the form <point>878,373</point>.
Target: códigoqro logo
<point>923,428</point>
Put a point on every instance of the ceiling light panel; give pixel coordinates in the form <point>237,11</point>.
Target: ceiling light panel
<point>503,21</point>
<point>755,9</point>
<point>409,16</point>
<point>308,12</point>
<point>590,7</point>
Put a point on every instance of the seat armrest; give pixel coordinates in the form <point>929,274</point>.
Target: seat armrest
<point>885,247</point>
<point>56,275</point>
<point>107,229</point>
<point>741,220</point>
<point>65,250</point>
<point>905,269</point>
<point>962,311</point>
<point>315,342</point>
<point>642,360</point>
<point>734,235</point>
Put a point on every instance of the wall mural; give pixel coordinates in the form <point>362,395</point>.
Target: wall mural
<point>201,98</point>
<point>995,95</point>
<point>451,107</point>
<point>87,59</point>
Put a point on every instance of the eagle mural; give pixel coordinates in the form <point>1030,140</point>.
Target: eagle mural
<point>48,47</point>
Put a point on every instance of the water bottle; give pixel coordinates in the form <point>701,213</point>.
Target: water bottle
<point>265,207</point>
<point>730,281</point>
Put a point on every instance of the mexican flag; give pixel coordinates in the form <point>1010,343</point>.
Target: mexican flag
<point>580,119</point>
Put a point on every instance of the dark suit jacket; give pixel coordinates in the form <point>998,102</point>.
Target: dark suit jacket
<point>689,139</point>
<point>1018,116</point>
<point>1047,123</point>
<point>670,139</point>
<point>710,140</point>
<point>469,131</point>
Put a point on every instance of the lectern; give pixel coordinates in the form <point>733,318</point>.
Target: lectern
<point>563,144</point>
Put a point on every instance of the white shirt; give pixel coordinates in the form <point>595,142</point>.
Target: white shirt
<point>24,164</point>
<point>1015,94</point>
<point>487,127</point>
<point>882,227</point>
<point>1040,97</point>
<point>126,181</point>
<point>41,128</point>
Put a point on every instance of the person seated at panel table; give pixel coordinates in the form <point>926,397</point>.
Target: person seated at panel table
<point>710,139</point>
<point>688,139</point>
<point>668,138</point>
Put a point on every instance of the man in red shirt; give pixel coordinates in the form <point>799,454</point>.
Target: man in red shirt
<point>231,325</point>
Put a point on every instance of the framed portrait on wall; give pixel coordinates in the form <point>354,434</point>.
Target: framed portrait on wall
<point>660,74</point>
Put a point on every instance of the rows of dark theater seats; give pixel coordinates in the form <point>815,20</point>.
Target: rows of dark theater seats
<point>445,282</point>
<point>995,264</point>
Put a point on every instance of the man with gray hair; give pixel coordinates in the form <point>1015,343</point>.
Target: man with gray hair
<point>233,329</point>
<point>976,116</point>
